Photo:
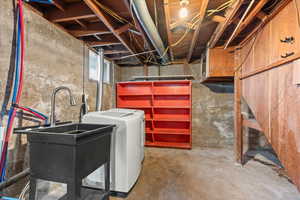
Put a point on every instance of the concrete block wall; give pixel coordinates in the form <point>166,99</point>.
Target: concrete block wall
<point>53,58</point>
<point>212,105</point>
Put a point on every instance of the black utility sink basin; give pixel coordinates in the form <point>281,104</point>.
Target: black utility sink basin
<point>68,153</point>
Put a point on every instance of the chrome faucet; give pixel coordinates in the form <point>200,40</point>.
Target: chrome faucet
<point>55,91</point>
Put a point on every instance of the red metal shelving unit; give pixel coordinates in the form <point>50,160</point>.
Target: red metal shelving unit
<point>167,107</point>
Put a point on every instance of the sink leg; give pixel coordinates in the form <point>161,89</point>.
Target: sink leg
<point>32,191</point>
<point>74,190</point>
<point>107,180</point>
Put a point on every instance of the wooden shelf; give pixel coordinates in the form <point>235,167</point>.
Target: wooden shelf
<point>171,119</point>
<point>169,144</point>
<point>168,108</point>
<point>135,95</point>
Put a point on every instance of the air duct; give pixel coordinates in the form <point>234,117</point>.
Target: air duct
<point>142,13</point>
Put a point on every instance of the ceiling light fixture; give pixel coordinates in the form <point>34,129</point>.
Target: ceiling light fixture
<point>183,12</point>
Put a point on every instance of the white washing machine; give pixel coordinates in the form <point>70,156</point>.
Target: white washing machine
<point>127,148</point>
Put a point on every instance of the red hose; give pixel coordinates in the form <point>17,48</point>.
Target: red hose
<point>20,88</point>
<point>35,114</point>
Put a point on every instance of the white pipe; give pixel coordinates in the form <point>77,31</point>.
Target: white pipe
<point>240,22</point>
<point>100,81</point>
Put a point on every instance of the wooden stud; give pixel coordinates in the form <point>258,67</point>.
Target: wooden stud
<point>238,129</point>
<point>251,123</point>
<point>146,70</point>
<point>196,33</point>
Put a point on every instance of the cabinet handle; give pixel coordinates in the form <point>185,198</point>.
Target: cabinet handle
<point>287,55</point>
<point>288,40</point>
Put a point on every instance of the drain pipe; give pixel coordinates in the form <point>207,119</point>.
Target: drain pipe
<point>142,13</point>
<point>100,81</point>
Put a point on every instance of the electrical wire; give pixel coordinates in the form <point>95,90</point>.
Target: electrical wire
<point>25,189</point>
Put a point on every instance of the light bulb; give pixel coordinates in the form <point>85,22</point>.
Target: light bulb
<point>183,12</point>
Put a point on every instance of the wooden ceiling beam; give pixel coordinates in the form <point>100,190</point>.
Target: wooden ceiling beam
<point>105,19</point>
<point>74,11</point>
<point>230,13</point>
<point>59,4</point>
<point>90,29</point>
<point>80,23</point>
<point>202,13</point>
<point>103,43</point>
<point>123,29</point>
<point>252,14</point>
<point>110,52</point>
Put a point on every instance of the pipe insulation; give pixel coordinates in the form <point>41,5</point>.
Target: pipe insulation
<point>142,13</point>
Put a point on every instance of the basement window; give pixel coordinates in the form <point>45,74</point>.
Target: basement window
<point>93,66</point>
<point>94,71</point>
<point>107,72</point>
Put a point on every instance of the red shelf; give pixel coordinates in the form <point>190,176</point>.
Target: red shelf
<point>167,107</point>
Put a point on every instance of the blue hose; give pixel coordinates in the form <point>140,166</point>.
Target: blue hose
<point>15,90</point>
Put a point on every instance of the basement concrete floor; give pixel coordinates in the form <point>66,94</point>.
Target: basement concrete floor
<point>207,174</point>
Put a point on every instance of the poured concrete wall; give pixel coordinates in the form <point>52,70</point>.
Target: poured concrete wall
<point>212,105</point>
<point>53,58</point>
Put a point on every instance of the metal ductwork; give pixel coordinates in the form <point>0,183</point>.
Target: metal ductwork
<point>142,13</point>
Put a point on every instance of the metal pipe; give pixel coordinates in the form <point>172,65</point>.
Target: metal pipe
<point>142,13</point>
<point>53,102</point>
<point>14,179</point>
<point>100,81</point>
<point>240,22</point>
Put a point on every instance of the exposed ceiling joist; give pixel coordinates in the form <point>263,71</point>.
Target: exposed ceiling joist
<point>91,29</point>
<point>80,23</point>
<point>110,52</point>
<point>59,4</point>
<point>104,18</point>
<point>202,13</point>
<point>252,14</point>
<point>122,29</point>
<point>103,43</point>
<point>222,26</point>
<point>72,12</point>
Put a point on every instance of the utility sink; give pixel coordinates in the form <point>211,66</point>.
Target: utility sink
<point>68,153</point>
<point>70,133</point>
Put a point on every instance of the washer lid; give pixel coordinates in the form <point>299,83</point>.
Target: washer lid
<point>116,114</point>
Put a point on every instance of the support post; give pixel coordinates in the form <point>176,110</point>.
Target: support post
<point>146,70</point>
<point>186,68</point>
<point>238,128</point>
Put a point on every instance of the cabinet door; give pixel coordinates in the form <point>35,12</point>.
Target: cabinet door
<point>261,48</point>
<point>293,27</point>
<point>283,26</point>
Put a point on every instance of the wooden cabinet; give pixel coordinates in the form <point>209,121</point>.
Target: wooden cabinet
<point>261,47</point>
<point>219,64</point>
<point>285,33</point>
<point>275,43</point>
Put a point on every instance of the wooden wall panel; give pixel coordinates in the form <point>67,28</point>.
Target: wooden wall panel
<point>273,94</point>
